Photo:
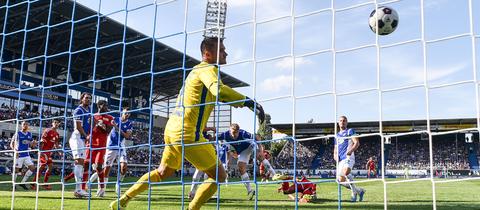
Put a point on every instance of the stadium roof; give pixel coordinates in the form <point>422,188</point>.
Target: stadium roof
<point>108,53</point>
<point>400,126</point>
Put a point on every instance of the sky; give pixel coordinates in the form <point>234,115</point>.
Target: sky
<point>323,89</point>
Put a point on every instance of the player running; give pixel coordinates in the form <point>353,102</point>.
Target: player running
<point>244,149</point>
<point>344,155</point>
<point>21,142</point>
<point>49,141</point>
<point>103,124</point>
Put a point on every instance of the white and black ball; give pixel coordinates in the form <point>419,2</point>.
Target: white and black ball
<point>385,18</point>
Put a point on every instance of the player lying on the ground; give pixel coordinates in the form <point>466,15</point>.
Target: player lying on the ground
<point>49,141</point>
<point>306,190</point>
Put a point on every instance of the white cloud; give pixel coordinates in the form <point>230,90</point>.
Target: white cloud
<point>286,63</point>
<point>276,84</point>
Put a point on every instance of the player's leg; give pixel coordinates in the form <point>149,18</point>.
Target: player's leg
<point>99,160</point>
<point>31,169</point>
<point>78,151</point>
<point>242,161</point>
<point>47,174</point>
<point>110,158</point>
<point>123,169</point>
<point>18,170</point>
<point>195,182</point>
<point>43,163</point>
<point>203,157</point>
<point>264,161</point>
<point>169,163</point>
<point>86,167</point>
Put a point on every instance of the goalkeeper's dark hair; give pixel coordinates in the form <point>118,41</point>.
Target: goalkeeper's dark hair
<point>209,44</point>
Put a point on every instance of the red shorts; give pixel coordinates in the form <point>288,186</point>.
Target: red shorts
<point>46,158</point>
<point>262,168</point>
<point>97,156</point>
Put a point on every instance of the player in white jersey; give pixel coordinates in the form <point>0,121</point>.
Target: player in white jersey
<point>116,148</point>
<point>77,141</point>
<point>21,142</point>
<point>344,155</point>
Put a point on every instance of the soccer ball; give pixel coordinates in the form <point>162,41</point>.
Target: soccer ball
<point>386,18</point>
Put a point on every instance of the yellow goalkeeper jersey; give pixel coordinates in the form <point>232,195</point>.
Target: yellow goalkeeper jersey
<point>201,86</point>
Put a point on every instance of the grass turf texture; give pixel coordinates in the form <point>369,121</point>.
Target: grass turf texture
<point>409,195</point>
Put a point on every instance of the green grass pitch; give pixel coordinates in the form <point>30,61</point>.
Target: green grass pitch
<point>462,195</point>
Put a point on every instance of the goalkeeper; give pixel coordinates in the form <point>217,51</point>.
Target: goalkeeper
<point>195,102</point>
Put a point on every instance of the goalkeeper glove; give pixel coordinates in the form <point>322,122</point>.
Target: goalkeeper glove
<point>254,106</point>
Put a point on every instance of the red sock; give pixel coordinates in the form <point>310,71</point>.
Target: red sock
<point>70,176</point>
<point>84,179</point>
<point>47,175</point>
<point>101,178</point>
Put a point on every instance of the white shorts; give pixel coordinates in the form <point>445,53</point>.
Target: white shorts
<point>115,154</point>
<point>23,161</point>
<point>77,144</point>
<point>345,164</point>
<point>244,156</point>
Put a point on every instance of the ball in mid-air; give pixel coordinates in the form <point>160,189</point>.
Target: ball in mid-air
<point>385,18</point>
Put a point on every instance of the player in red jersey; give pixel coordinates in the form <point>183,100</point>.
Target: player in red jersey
<point>49,141</point>
<point>265,173</point>
<point>103,124</point>
<point>371,168</point>
<point>307,191</point>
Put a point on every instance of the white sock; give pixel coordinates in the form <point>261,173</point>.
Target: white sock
<point>270,168</point>
<point>15,176</point>
<point>78,171</point>
<point>245,177</point>
<point>105,180</point>
<point>93,177</point>
<point>352,185</point>
<point>27,175</point>
<point>195,178</point>
<point>122,176</point>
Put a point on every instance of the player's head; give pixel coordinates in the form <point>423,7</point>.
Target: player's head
<point>125,111</point>
<point>211,50</point>
<point>85,99</point>
<point>371,158</point>
<point>24,126</point>
<point>102,106</point>
<point>55,123</point>
<point>234,130</point>
<point>342,122</point>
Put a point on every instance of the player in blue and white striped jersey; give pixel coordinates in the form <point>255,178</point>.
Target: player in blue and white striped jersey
<point>80,135</point>
<point>21,142</point>
<point>344,155</point>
